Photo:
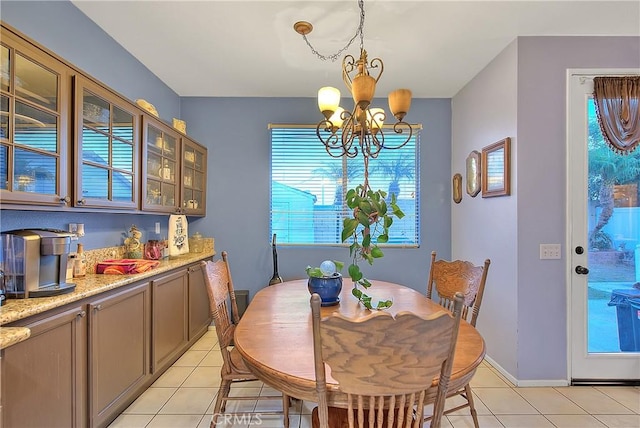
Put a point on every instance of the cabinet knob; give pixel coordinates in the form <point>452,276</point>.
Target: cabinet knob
<point>82,201</point>
<point>97,308</point>
<point>65,200</point>
<point>82,314</point>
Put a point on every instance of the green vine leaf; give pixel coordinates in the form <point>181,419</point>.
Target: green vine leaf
<point>376,253</point>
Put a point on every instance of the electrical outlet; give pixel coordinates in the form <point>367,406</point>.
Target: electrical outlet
<point>158,227</point>
<point>550,251</point>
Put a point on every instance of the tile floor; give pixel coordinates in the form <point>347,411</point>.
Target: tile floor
<point>183,397</point>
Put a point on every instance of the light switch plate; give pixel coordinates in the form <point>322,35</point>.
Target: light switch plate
<point>550,251</point>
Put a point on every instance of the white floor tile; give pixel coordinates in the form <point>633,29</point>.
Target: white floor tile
<point>189,401</point>
<point>175,421</point>
<point>550,401</point>
<point>504,401</point>
<point>151,401</point>
<point>174,377</point>
<point>575,421</point>
<point>627,396</point>
<point>619,421</point>
<point>524,421</point>
<point>593,400</point>
<point>131,421</point>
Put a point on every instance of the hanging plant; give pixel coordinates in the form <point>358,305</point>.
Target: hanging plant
<point>368,227</point>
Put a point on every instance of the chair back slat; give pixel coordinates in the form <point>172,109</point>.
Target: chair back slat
<point>446,278</point>
<point>384,364</point>
<point>222,300</point>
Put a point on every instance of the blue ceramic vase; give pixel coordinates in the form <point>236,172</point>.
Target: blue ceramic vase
<point>327,287</point>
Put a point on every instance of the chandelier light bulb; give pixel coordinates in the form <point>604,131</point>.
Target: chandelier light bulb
<point>328,100</point>
<point>363,89</point>
<point>336,118</point>
<point>400,103</point>
<point>375,117</point>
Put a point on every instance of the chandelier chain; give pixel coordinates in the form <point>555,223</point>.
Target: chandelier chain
<point>335,56</point>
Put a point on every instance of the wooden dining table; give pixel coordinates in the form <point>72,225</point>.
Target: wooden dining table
<point>275,336</point>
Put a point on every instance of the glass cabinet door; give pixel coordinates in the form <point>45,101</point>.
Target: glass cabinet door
<point>194,172</point>
<point>160,167</point>
<point>106,149</point>
<point>33,126</point>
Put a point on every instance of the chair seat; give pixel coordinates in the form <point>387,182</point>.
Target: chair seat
<point>237,363</point>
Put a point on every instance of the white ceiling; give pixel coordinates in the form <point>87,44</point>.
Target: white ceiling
<point>247,48</point>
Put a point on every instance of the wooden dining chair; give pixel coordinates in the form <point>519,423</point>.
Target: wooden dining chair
<point>382,362</point>
<point>446,278</point>
<point>224,309</point>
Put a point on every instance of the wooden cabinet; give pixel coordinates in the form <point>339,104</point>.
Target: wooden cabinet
<point>199,309</point>
<point>86,362</point>
<point>106,149</point>
<point>34,124</point>
<point>67,140</point>
<point>44,379</point>
<point>169,319</point>
<point>119,348</point>
<point>193,190</point>
<point>160,167</point>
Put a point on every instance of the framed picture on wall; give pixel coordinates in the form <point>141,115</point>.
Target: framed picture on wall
<point>473,173</point>
<point>496,179</point>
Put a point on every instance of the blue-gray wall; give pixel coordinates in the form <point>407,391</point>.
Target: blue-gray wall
<point>235,132</point>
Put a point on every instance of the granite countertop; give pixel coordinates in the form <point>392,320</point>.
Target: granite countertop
<point>92,284</point>
<point>12,335</point>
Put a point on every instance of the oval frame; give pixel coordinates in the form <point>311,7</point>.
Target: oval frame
<point>456,183</point>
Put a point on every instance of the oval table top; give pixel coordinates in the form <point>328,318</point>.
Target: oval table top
<point>275,335</point>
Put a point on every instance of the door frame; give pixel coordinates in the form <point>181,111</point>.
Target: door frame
<point>572,153</point>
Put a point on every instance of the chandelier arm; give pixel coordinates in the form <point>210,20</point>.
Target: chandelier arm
<point>335,56</point>
<point>377,63</point>
<point>330,143</point>
<point>399,128</point>
<point>349,135</point>
<point>374,142</point>
<point>348,65</point>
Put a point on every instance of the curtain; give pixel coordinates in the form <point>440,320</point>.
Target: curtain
<point>617,101</point>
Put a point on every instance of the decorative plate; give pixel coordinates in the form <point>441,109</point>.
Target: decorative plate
<point>473,173</point>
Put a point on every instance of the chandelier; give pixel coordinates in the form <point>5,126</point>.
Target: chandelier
<point>347,133</point>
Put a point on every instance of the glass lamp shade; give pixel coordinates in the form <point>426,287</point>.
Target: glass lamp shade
<point>363,89</point>
<point>375,117</point>
<point>336,118</point>
<point>328,100</point>
<point>400,102</point>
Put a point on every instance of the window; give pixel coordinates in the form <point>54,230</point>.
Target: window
<point>307,187</point>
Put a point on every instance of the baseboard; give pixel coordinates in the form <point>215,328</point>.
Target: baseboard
<point>525,383</point>
<point>543,382</point>
<point>605,382</point>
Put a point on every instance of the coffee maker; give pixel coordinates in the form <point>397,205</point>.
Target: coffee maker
<point>34,262</point>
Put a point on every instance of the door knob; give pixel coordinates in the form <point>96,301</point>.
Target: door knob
<point>581,270</point>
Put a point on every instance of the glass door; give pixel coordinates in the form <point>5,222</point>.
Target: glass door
<point>161,152</point>
<point>194,173</point>
<point>107,143</point>
<point>605,246</point>
<point>33,126</point>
